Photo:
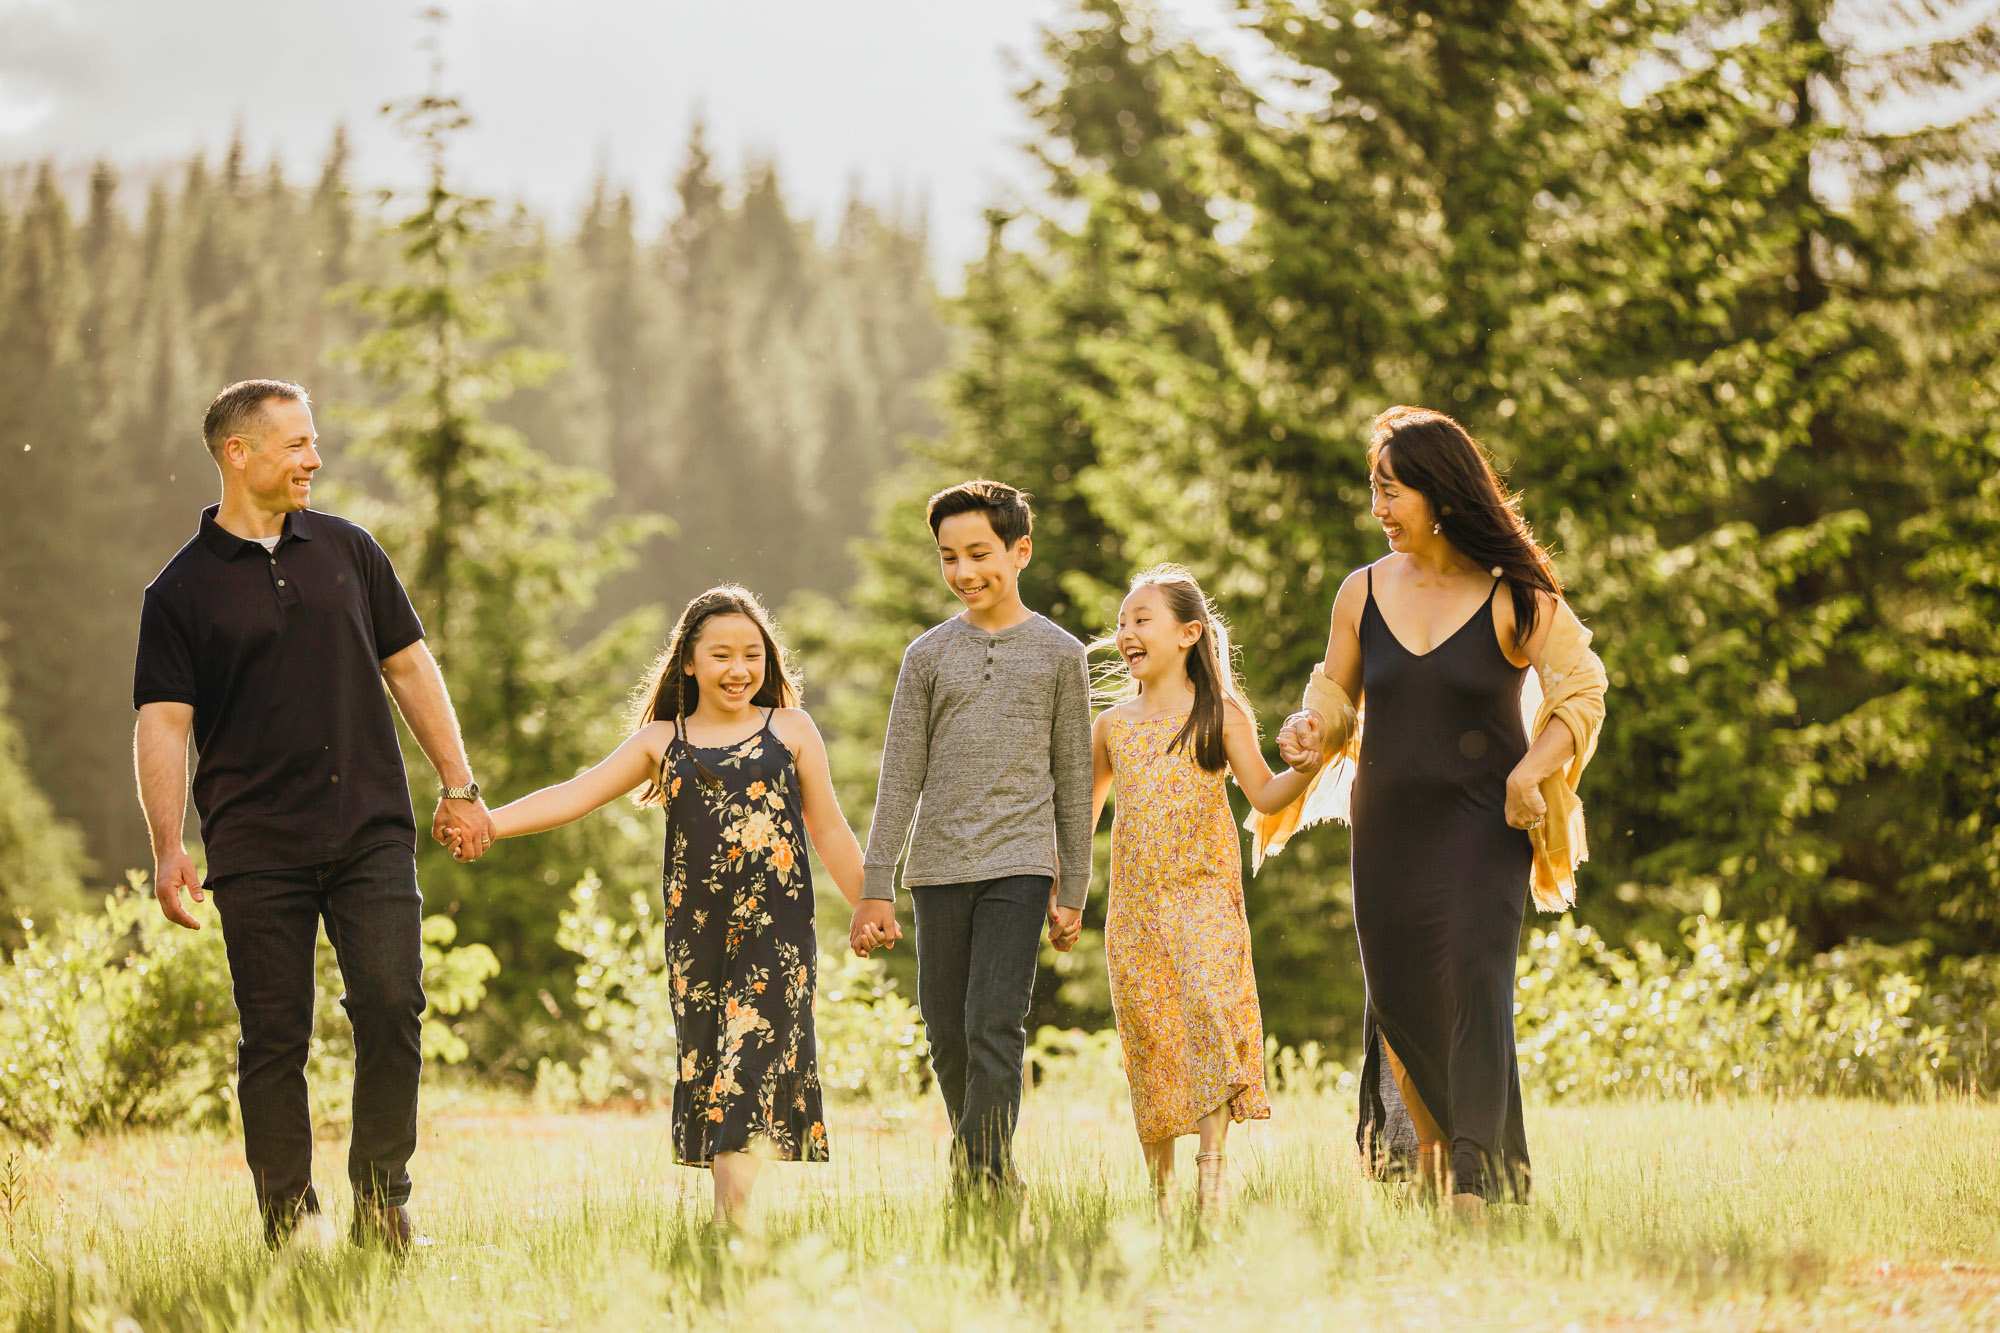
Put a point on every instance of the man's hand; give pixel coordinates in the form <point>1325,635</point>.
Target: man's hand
<point>464,826</point>
<point>1065,923</point>
<point>172,873</point>
<point>874,926</point>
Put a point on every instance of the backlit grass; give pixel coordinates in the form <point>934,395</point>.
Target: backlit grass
<point>1725,1216</point>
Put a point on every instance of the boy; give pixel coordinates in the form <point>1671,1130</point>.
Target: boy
<point>988,751</point>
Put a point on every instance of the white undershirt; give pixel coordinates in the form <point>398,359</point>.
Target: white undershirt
<point>269,543</point>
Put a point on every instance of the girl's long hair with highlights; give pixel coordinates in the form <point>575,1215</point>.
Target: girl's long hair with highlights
<point>1436,457</point>
<point>1211,666</point>
<point>669,691</point>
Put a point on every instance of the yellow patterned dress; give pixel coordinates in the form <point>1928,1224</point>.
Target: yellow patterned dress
<point>1176,939</point>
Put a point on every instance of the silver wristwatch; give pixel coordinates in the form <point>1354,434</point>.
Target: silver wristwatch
<point>469,792</point>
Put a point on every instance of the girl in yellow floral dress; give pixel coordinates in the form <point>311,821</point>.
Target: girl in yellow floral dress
<point>742,772</point>
<point>1175,935</point>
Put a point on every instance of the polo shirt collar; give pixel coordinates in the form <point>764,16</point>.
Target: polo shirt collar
<point>226,544</point>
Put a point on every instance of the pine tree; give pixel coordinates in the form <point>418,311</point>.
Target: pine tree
<point>503,552</point>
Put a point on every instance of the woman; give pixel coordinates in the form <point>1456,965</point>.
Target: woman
<point>1457,803</point>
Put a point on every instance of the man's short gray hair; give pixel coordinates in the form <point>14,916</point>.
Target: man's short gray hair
<point>241,406</point>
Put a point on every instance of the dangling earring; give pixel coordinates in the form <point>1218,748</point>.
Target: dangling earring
<point>1436,529</point>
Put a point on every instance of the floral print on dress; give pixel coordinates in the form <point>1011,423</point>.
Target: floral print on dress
<point>741,953</point>
<point>1176,941</point>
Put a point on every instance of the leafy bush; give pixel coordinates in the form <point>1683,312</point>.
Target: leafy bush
<point>1743,1010</point>
<point>119,1018</point>
<point>871,1042</point>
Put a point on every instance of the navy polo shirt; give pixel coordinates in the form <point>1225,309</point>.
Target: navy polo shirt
<point>280,653</point>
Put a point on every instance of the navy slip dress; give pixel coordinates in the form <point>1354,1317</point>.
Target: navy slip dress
<point>1440,888</point>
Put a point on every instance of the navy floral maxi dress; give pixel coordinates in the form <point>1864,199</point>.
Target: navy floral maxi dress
<point>741,952</point>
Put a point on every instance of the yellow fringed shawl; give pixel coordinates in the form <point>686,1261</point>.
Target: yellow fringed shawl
<point>1571,683</point>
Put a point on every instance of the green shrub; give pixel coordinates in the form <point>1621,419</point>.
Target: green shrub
<point>119,1018</point>
<point>1744,1010</point>
<point>871,1042</point>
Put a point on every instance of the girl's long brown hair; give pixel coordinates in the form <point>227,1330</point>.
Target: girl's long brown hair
<point>670,691</point>
<point>1211,666</point>
<point>1436,457</point>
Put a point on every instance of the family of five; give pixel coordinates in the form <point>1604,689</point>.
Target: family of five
<point>269,638</point>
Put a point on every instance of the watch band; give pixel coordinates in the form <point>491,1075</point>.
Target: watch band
<point>469,792</point>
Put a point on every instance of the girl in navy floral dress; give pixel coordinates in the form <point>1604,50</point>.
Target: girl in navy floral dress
<point>742,773</point>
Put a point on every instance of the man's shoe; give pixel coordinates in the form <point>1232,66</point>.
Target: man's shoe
<point>387,1225</point>
<point>283,1221</point>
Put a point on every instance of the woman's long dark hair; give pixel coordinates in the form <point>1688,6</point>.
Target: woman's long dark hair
<point>670,691</point>
<point>1210,666</point>
<point>1433,455</point>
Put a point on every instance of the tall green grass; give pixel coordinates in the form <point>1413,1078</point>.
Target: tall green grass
<point>1821,1214</point>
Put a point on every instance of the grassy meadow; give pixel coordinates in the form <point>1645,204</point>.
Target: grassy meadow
<point>1752,1215</point>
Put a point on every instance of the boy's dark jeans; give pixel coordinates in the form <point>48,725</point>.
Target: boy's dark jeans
<point>976,949</point>
<point>270,925</point>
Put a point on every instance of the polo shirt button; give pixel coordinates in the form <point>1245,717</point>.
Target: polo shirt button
<point>281,583</point>
<point>336,777</point>
<point>989,675</point>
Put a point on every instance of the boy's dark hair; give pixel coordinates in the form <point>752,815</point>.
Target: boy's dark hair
<point>241,406</point>
<point>1005,508</point>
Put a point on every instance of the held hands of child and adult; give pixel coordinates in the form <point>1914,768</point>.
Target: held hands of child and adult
<point>874,927</point>
<point>1065,923</point>
<point>1301,738</point>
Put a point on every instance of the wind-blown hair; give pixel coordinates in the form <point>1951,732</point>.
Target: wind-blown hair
<point>669,691</point>
<point>1211,665</point>
<point>1429,453</point>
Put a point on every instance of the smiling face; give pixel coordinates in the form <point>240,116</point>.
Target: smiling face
<point>980,569</point>
<point>1152,643</point>
<point>1404,514</point>
<point>275,458</point>
<point>727,662</point>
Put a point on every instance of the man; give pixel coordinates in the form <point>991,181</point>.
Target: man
<point>269,636</point>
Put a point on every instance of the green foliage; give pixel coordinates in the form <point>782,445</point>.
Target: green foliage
<point>871,1042</point>
<point>41,857</point>
<point>1743,1012</point>
<point>116,1019</point>
<point>1752,416</point>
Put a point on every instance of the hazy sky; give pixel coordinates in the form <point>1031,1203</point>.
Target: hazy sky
<point>909,97</point>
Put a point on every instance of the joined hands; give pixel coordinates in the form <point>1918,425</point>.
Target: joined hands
<point>874,927</point>
<point>464,826</point>
<point>1302,741</point>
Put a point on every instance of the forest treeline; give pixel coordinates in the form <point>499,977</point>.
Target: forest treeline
<point>1729,317</point>
<point>1722,303</point>
<point>734,372</point>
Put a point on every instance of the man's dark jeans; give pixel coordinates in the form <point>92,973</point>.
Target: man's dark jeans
<point>270,924</point>
<point>976,950</point>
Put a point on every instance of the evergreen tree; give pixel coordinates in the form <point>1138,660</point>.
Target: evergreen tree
<point>503,552</point>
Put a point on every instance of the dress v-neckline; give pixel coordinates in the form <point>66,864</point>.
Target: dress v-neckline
<point>1485,606</point>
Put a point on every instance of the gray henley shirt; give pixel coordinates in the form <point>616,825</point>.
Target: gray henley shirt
<point>988,751</point>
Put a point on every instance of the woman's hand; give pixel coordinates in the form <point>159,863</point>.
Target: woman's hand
<point>1300,742</point>
<point>1525,806</point>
